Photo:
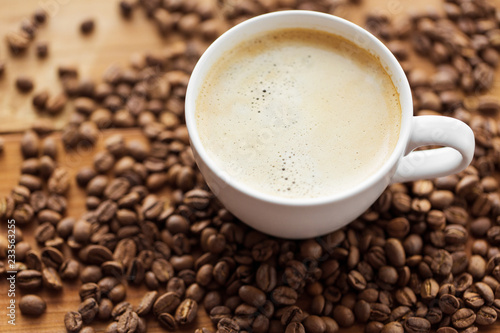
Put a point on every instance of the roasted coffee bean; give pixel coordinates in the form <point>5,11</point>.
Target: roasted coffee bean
<point>392,327</point>
<point>96,254</point>
<point>343,316</point>
<point>59,181</point>
<point>293,328</point>
<point>73,322</point>
<point>151,281</point>
<point>37,199</point>
<point>167,321</point>
<point>44,232</point>
<point>388,275</point>
<point>22,248</point>
<point>24,84</point>
<point>256,297</point>
<point>90,290</point>
<point>52,257</point>
<point>186,311</point>
<point>88,309</point>
<point>128,322</point>
<point>112,268</point>
<point>21,194</point>
<point>125,251</point>
<point>84,176</point>
<point>23,214</point>
<point>442,262</point>
<point>117,293</point>
<point>395,252</point>
<point>460,262</point>
<point>374,327</point>
<point>120,309</point>
<point>33,183</point>
<point>87,26</point>
<point>463,318</point>
<point>219,312</point>
<point>362,310</point>
<point>135,271</point>
<point>486,316</point>
<point>463,282</point>
<point>103,162</point>
<point>177,286</point>
<point>167,302</point>
<point>196,292</point>
<point>379,312</point>
<point>33,260</point>
<point>51,279</point>
<point>314,324</point>
<point>318,304</point>
<point>398,313</point>
<point>398,227</point>
<point>485,292</point>
<point>405,296</point>
<point>449,304</point>
<point>32,305</point>
<point>91,273</point>
<point>356,280</point>
<point>146,303</point>
<point>292,314</point>
<point>162,269</point>
<point>416,325</point>
<point>31,166</point>
<point>473,299</point>
<point>48,215</point>
<point>106,210</point>
<point>112,327</point>
<point>29,279</point>
<point>105,308</point>
<point>82,231</point>
<point>42,49</point>
<point>107,284</point>
<point>281,295</point>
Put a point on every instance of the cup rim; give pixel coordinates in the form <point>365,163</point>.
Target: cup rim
<point>396,73</point>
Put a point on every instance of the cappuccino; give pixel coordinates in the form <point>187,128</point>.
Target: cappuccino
<point>298,113</point>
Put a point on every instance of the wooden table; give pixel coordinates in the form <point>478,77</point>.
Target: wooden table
<point>113,41</point>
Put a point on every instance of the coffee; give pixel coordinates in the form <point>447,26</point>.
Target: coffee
<point>298,113</point>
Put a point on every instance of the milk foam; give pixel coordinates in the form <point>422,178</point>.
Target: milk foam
<point>298,113</point>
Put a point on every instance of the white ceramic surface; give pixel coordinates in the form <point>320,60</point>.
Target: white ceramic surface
<point>304,218</point>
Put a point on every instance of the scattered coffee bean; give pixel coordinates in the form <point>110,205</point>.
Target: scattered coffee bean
<point>167,321</point>
<point>32,305</point>
<point>88,310</point>
<point>24,84</point>
<point>29,279</point>
<point>42,49</point>
<point>167,302</point>
<point>463,318</point>
<point>87,26</point>
<point>73,322</point>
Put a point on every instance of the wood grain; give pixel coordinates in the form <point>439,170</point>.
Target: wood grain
<point>113,41</point>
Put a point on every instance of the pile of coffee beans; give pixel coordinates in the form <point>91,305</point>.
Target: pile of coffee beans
<point>424,257</point>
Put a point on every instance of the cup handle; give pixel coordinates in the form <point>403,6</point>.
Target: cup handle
<point>457,139</point>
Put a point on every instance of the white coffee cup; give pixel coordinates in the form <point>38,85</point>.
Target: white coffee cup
<point>311,217</point>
